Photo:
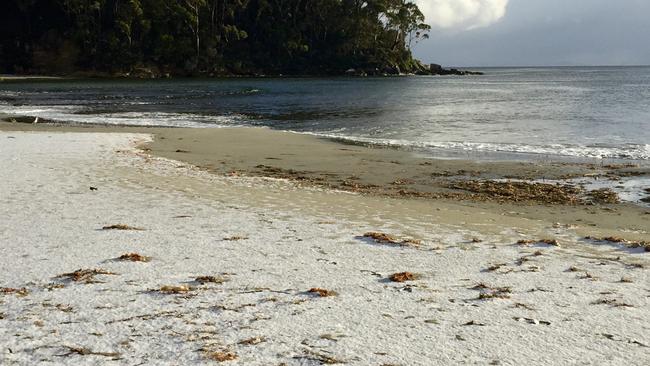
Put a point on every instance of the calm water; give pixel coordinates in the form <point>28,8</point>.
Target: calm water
<point>538,113</point>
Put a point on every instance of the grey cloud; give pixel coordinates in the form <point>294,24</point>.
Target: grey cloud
<point>550,32</point>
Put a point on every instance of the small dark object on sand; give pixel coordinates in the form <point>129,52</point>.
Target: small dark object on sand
<point>134,257</point>
<point>472,322</point>
<point>322,292</point>
<point>85,275</point>
<point>403,277</point>
<point>384,238</point>
<point>222,356</point>
<point>170,289</point>
<point>18,291</point>
<point>87,352</point>
<point>495,293</point>
<point>121,227</point>
<point>552,242</point>
<point>210,279</point>
<point>236,238</point>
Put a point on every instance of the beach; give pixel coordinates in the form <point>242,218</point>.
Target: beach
<point>256,247</point>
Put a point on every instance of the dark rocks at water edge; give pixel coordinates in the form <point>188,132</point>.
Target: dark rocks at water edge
<point>417,69</point>
<point>414,67</point>
<point>435,69</point>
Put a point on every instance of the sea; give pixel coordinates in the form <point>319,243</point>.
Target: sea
<point>553,113</point>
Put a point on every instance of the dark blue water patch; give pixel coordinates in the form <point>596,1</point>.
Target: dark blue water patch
<point>582,112</point>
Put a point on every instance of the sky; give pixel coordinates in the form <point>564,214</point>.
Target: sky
<point>536,32</point>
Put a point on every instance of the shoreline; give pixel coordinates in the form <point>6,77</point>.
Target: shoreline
<point>453,72</point>
<point>7,77</point>
<point>416,182</point>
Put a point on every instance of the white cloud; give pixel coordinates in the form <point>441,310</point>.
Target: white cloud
<point>462,14</point>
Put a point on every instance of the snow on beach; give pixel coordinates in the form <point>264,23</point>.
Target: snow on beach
<point>227,265</point>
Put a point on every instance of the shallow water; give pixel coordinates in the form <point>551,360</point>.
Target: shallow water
<point>532,113</point>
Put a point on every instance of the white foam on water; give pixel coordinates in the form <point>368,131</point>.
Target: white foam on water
<point>628,189</point>
<point>74,114</point>
<point>626,152</point>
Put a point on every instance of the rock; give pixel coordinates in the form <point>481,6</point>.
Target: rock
<point>435,69</point>
<point>355,72</point>
<point>143,73</point>
<point>392,70</point>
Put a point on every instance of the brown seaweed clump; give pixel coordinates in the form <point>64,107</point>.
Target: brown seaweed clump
<point>552,242</point>
<point>252,341</point>
<point>16,291</point>
<point>170,289</point>
<point>627,243</point>
<point>403,277</point>
<point>521,191</point>
<point>121,227</point>
<point>495,293</point>
<point>603,196</point>
<point>236,238</point>
<point>221,356</point>
<point>489,292</point>
<point>133,257</point>
<point>85,275</point>
<point>495,267</point>
<point>210,279</point>
<point>384,238</point>
<point>88,352</point>
<point>322,292</point>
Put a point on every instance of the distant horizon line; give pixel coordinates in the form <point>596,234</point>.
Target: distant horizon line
<point>540,66</point>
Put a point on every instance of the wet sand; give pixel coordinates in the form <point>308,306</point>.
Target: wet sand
<point>393,177</point>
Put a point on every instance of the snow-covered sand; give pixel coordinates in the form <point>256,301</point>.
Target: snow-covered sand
<point>574,304</point>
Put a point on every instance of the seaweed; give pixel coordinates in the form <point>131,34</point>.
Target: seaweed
<point>121,227</point>
<point>16,291</point>
<point>403,277</point>
<point>322,292</point>
<point>133,257</point>
<point>210,279</point>
<point>384,238</point>
<point>85,275</point>
<point>171,289</point>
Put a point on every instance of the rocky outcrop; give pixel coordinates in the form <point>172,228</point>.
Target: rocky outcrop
<point>414,68</point>
<point>435,69</point>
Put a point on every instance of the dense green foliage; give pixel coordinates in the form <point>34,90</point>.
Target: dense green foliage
<point>184,37</point>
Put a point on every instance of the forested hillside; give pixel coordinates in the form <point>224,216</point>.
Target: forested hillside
<point>208,37</point>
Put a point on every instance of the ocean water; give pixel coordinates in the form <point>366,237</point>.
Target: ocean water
<point>509,113</point>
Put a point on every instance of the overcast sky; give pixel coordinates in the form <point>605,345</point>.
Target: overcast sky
<point>536,32</point>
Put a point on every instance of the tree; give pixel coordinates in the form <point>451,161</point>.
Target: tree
<point>209,36</point>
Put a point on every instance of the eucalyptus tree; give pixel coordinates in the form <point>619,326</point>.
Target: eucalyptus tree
<point>209,36</point>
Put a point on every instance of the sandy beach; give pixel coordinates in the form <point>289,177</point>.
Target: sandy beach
<point>303,183</point>
<point>140,247</point>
